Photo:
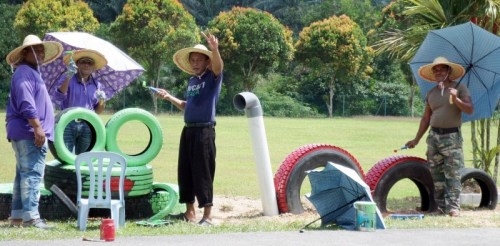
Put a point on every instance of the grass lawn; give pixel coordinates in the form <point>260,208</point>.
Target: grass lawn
<point>368,139</point>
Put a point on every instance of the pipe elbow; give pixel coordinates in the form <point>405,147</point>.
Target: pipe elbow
<point>249,102</point>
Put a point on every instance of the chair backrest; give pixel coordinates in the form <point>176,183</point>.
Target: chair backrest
<point>102,166</point>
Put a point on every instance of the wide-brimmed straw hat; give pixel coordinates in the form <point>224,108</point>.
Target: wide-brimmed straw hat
<point>426,73</point>
<point>98,58</point>
<point>52,50</point>
<point>181,57</point>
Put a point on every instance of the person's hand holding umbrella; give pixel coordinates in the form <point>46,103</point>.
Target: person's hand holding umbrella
<point>71,68</point>
<point>101,96</point>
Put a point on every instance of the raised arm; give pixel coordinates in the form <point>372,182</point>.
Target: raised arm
<point>217,64</point>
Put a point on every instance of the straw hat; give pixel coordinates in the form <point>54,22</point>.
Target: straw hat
<point>181,57</point>
<point>426,73</point>
<point>52,50</point>
<point>98,58</point>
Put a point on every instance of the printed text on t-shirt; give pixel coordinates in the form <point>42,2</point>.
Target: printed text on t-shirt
<point>194,90</point>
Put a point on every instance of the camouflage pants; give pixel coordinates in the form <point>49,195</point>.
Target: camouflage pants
<point>445,157</point>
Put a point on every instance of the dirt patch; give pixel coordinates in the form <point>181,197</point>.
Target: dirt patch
<point>240,209</point>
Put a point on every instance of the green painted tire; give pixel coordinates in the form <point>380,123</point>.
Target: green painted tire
<point>155,135</point>
<point>59,149</point>
<point>64,176</point>
<point>131,171</point>
<point>172,199</point>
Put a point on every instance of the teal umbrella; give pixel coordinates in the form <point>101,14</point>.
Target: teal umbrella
<point>335,189</point>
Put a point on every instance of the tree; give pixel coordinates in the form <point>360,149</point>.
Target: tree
<point>293,13</point>
<point>252,42</point>
<point>40,16</point>
<point>333,51</point>
<point>159,28</point>
<point>205,10</point>
<point>10,40</point>
<point>435,14</point>
<point>106,11</point>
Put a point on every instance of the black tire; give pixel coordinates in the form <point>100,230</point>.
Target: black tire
<point>49,206</point>
<point>65,199</point>
<point>387,172</point>
<point>292,172</point>
<point>155,135</point>
<point>52,208</point>
<point>489,192</point>
<point>137,207</point>
<point>5,205</point>
<point>59,149</point>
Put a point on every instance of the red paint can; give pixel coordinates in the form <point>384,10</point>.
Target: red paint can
<point>107,230</point>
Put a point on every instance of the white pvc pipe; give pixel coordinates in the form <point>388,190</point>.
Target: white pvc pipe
<point>250,103</point>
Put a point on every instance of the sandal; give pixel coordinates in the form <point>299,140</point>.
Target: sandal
<point>205,222</point>
<point>181,217</point>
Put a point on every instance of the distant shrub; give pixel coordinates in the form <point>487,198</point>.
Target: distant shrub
<point>278,105</point>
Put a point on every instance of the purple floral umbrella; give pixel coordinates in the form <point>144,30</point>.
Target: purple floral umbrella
<point>120,71</point>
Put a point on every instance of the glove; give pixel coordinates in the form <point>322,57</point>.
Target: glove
<point>71,69</point>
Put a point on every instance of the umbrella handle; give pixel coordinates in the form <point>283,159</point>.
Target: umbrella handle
<point>451,100</point>
<point>68,52</point>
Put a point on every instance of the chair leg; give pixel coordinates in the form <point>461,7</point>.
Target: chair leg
<point>115,215</point>
<point>122,216</point>
<point>83,213</point>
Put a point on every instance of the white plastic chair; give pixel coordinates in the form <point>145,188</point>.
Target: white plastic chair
<point>100,165</point>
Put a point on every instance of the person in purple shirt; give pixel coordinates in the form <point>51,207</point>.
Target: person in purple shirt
<point>29,125</point>
<point>196,166</point>
<point>79,89</point>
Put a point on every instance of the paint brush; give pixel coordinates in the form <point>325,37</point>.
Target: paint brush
<point>402,148</point>
<point>151,88</point>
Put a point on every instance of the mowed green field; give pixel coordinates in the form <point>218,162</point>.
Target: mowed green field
<point>368,139</point>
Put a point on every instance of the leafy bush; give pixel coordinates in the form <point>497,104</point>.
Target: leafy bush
<point>275,104</point>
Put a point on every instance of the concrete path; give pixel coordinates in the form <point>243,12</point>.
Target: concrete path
<point>418,237</point>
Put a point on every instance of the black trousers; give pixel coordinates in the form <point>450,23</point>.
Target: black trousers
<point>196,167</point>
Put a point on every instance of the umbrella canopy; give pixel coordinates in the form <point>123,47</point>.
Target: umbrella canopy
<point>478,51</point>
<point>334,191</point>
<point>120,71</point>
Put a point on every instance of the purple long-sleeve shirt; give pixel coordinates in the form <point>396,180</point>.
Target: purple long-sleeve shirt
<point>78,94</point>
<point>28,99</point>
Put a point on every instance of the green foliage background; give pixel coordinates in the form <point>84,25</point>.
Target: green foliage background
<point>256,41</point>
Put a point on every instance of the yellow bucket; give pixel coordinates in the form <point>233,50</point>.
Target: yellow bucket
<point>366,216</point>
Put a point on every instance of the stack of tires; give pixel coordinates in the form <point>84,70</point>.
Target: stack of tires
<point>143,197</point>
